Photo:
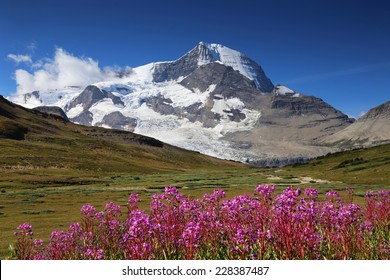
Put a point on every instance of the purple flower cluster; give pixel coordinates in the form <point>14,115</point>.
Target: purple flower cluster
<point>292,225</point>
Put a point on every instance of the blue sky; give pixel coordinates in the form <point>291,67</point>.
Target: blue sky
<point>336,50</point>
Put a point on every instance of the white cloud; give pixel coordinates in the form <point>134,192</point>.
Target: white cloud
<point>18,58</point>
<point>63,70</point>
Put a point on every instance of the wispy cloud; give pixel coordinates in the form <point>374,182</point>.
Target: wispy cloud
<point>340,73</point>
<point>64,70</point>
<point>19,58</point>
<point>32,46</point>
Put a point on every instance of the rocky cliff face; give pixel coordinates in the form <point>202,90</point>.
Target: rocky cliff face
<point>54,110</point>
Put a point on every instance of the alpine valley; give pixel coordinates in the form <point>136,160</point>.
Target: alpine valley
<point>213,100</point>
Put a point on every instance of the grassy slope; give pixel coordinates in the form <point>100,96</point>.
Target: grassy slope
<point>368,166</point>
<point>68,151</point>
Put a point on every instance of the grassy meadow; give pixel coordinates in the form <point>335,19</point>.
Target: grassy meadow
<point>50,168</point>
<point>51,199</point>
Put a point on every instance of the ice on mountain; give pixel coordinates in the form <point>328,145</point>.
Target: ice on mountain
<point>283,90</point>
<point>75,111</point>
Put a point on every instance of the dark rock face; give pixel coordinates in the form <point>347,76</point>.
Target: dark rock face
<point>85,118</point>
<point>228,83</point>
<point>197,113</point>
<point>302,105</point>
<point>217,74</point>
<point>92,94</point>
<point>115,99</point>
<point>89,96</point>
<point>172,70</point>
<point>162,105</point>
<point>235,115</point>
<point>27,96</point>
<point>53,110</point>
<point>117,120</point>
<point>262,82</point>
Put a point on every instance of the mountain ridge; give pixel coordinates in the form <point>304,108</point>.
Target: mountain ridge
<point>373,128</point>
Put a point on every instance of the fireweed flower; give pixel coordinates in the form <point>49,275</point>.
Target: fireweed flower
<point>331,194</point>
<point>75,228</point>
<point>24,230</point>
<point>217,195</point>
<point>99,216</point>
<point>132,202</point>
<point>138,231</point>
<point>265,190</point>
<point>38,251</point>
<point>191,234</point>
<point>311,192</point>
<point>24,245</point>
<point>349,214</point>
<point>366,227</point>
<point>383,193</point>
<point>63,245</point>
<point>370,194</point>
<point>111,210</point>
<point>93,254</point>
<point>378,208</point>
<point>87,210</point>
<point>172,194</point>
<point>287,200</point>
<point>38,242</point>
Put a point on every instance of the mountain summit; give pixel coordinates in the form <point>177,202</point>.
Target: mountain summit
<point>213,99</point>
<point>205,53</point>
<point>238,61</point>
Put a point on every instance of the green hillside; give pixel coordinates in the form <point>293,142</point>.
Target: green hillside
<point>42,148</point>
<point>366,166</point>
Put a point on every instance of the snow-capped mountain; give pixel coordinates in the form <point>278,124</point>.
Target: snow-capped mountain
<point>214,100</point>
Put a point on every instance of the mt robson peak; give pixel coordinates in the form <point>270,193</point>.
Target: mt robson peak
<point>214,100</point>
<point>207,53</point>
